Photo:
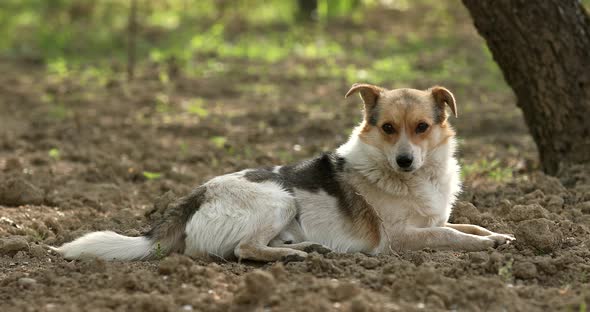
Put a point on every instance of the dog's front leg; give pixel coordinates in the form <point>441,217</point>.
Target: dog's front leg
<point>470,229</point>
<point>447,238</point>
<point>478,230</point>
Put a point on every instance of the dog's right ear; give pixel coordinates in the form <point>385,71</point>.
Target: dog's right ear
<point>369,94</point>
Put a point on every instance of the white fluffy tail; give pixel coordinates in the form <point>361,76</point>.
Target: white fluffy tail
<point>107,245</point>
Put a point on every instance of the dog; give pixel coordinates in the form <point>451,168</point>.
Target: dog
<point>390,187</point>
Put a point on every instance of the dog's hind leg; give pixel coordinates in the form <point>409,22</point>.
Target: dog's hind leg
<point>257,247</point>
<point>303,246</point>
<point>270,227</point>
<point>258,252</point>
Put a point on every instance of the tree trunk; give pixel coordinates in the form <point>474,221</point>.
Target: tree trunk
<point>131,40</point>
<point>543,49</point>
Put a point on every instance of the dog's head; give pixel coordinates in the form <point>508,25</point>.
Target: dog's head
<point>405,124</point>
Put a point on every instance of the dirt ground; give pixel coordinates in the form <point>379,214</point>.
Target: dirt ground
<point>78,156</point>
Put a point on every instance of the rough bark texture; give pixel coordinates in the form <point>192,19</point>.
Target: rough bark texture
<point>543,49</point>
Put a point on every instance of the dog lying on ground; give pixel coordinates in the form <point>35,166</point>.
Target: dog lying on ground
<point>390,187</point>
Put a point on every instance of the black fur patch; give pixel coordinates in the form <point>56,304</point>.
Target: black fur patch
<point>169,228</point>
<point>373,116</point>
<point>439,114</point>
<point>311,175</point>
<point>318,174</point>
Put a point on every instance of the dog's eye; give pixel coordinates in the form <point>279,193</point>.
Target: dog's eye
<point>388,128</point>
<point>422,127</point>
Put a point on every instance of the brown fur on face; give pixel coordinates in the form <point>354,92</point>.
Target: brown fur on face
<point>405,109</point>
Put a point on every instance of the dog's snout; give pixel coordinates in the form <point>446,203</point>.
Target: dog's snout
<point>404,161</point>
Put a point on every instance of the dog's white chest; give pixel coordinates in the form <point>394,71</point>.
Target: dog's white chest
<point>431,204</point>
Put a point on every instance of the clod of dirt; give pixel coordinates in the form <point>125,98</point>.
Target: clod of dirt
<point>343,291</point>
<point>173,263</point>
<point>524,270</point>
<point>278,271</point>
<point>526,212</point>
<point>13,164</point>
<point>37,251</point>
<point>18,192</point>
<point>369,263</point>
<point>554,203</point>
<point>479,257</point>
<point>13,244</point>
<point>548,184</point>
<point>258,286</point>
<point>542,234</point>
<point>465,212</point>
<point>27,282</point>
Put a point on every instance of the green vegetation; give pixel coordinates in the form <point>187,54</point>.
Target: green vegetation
<point>151,175</point>
<point>505,271</point>
<point>493,170</point>
<point>90,38</point>
<point>257,46</point>
<point>54,153</point>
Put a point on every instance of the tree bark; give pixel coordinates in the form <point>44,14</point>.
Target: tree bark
<point>131,40</point>
<point>543,49</point>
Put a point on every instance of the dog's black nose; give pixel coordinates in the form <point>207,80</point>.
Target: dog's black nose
<point>404,161</point>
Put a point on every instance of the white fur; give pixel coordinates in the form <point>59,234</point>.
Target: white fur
<point>322,222</point>
<point>107,245</point>
<point>236,209</point>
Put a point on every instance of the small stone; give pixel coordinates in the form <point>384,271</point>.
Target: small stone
<point>12,245</point>
<point>585,207</point>
<point>26,282</point>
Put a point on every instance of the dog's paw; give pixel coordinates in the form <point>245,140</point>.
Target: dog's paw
<point>294,257</point>
<point>321,249</point>
<point>501,239</point>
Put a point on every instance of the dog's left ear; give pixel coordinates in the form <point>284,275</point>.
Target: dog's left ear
<point>443,97</point>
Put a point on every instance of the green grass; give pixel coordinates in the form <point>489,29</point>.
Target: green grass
<point>54,153</point>
<point>151,175</point>
<point>491,169</point>
<point>505,271</point>
<point>82,38</point>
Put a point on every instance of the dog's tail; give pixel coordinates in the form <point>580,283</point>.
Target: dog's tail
<point>109,246</point>
<point>165,237</point>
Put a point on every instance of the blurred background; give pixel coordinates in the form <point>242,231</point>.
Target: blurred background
<point>213,86</point>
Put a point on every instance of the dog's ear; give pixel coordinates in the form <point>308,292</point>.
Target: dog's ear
<point>369,93</point>
<point>443,97</point>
